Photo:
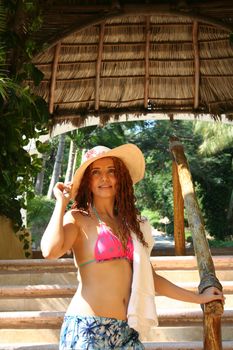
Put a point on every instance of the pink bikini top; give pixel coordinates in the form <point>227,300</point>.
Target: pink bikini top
<point>108,246</point>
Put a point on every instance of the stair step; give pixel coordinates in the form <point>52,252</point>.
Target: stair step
<point>66,291</point>
<point>227,345</point>
<point>67,264</point>
<point>53,319</point>
<point>38,291</point>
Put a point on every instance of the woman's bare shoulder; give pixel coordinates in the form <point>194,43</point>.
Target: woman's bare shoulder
<point>76,215</point>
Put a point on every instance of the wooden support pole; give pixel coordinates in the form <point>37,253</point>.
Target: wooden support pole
<point>147,53</point>
<point>196,65</point>
<point>178,204</point>
<point>54,77</point>
<point>98,66</point>
<point>214,310</point>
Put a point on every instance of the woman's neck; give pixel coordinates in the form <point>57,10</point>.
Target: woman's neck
<point>104,208</point>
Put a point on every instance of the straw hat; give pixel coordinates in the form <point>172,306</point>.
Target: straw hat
<point>130,154</point>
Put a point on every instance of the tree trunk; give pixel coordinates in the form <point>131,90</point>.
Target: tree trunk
<point>71,161</point>
<point>57,165</point>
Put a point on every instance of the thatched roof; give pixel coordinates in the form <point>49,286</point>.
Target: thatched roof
<point>107,58</point>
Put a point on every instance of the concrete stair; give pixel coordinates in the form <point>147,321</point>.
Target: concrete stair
<point>148,346</point>
<point>34,295</point>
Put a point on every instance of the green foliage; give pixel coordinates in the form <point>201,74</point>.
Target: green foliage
<point>216,137</point>
<point>23,114</point>
<point>215,190</point>
<point>216,243</point>
<point>214,175</point>
<point>25,237</point>
<point>38,215</point>
<point>152,216</point>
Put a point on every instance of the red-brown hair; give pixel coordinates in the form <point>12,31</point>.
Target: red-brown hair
<point>128,215</point>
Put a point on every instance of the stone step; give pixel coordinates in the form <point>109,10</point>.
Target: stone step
<point>63,272</point>
<point>69,277</point>
<point>158,334</point>
<point>57,297</point>
<point>227,345</point>
<point>65,278</point>
<point>53,319</point>
<point>61,304</point>
<point>67,264</point>
<point>66,291</point>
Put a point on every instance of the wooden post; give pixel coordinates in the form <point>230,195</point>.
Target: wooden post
<point>214,310</point>
<point>178,204</point>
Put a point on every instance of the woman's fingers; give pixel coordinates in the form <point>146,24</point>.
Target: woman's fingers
<point>213,293</point>
<point>62,190</point>
<point>67,190</point>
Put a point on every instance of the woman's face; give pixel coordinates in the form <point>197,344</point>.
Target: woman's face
<point>103,178</point>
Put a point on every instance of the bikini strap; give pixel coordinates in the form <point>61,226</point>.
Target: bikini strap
<point>96,214</point>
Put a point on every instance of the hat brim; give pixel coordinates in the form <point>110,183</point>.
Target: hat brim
<point>129,153</point>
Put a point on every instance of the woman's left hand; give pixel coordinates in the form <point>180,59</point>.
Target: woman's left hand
<point>211,294</point>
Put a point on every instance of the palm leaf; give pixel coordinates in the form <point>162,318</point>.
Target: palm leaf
<point>216,137</point>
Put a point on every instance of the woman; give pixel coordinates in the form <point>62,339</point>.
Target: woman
<point>111,244</point>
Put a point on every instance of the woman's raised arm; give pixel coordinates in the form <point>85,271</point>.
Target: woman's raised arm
<point>61,231</point>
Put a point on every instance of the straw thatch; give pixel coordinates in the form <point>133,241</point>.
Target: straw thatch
<point>106,58</point>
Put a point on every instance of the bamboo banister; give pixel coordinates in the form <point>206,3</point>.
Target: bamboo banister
<point>214,310</point>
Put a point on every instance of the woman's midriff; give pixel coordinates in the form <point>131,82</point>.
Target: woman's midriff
<point>103,290</point>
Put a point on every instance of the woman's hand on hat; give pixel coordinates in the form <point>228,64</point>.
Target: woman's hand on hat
<point>62,191</point>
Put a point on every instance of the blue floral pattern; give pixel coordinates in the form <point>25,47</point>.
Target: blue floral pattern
<point>97,333</point>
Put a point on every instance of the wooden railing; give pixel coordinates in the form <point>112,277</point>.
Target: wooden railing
<point>214,310</point>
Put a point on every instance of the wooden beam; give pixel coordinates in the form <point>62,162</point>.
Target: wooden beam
<point>98,67</point>
<point>53,77</point>
<point>157,43</point>
<point>196,65</point>
<point>68,63</point>
<point>178,208</point>
<point>147,52</point>
<point>74,113</point>
<point>138,76</point>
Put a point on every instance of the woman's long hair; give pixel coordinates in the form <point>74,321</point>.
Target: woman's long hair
<point>128,215</point>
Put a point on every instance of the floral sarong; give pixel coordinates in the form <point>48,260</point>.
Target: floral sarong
<point>97,333</point>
